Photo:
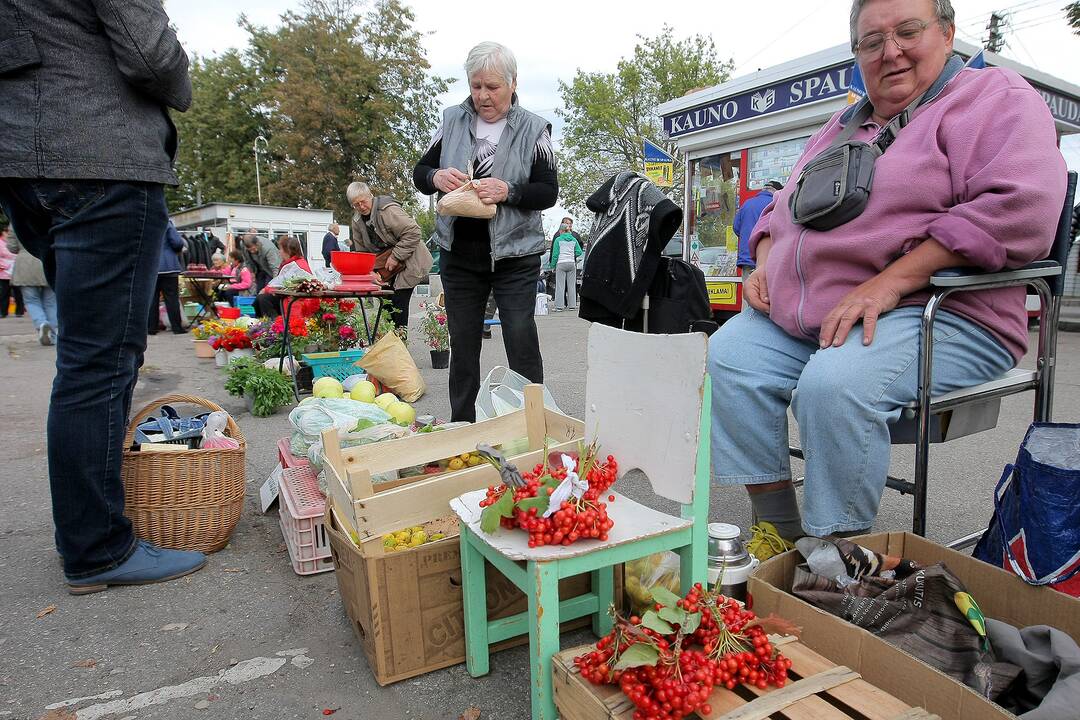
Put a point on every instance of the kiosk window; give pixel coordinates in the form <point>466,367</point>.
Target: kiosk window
<point>714,201</point>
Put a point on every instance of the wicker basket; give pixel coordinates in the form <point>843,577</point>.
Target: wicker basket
<point>188,500</point>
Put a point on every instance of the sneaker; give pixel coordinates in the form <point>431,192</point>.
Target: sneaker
<point>45,334</point>
<point>765,542</point>
<point>148,564</point>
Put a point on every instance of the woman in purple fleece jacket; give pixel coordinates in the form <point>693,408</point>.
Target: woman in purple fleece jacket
<point>974,179</point>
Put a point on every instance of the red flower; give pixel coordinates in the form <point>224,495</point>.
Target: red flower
<point>346,332</point>
<point>329,317</point>
<point>278,325</point>
<point>346,305</point>
<point>441,319</point>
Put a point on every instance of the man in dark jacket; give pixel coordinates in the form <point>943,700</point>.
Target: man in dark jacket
<point>86,146</point>
<point>262,259</point>
<point>330,242</point>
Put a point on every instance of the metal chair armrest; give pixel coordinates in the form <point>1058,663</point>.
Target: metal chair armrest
<point>972,279</point>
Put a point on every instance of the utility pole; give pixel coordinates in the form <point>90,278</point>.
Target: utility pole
<point>255,149</point>
<point>997,25</point>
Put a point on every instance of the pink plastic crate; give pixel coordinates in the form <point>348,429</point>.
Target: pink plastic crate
<point>285,456</point>
<point>301,516</point>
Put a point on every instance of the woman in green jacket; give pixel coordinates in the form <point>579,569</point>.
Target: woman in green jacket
<point>564,254</point>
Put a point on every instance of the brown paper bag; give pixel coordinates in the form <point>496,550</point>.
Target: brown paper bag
<point>389,361</point>
<point>464,202</point>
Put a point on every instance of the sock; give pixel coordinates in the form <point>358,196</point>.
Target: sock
<point>781,508</point>
<point>849,533</point>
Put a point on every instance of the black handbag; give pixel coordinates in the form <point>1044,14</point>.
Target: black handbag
<point>678,302</point>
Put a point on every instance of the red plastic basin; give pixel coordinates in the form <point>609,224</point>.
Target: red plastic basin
<point>352,263</point>
<point>228,313</point>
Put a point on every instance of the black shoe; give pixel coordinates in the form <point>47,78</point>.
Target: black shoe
<point>487,334</point>
<point>151,332</point>
<point>181,331</point>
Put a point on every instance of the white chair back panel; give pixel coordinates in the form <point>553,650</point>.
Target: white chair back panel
<point>643,397</point>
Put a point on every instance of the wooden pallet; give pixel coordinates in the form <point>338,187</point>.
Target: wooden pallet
<point>818,690</point>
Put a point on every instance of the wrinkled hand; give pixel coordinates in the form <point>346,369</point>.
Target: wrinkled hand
<point>867,302</point>
<point>449,179</point>
<point>491,190</point>
<point>756,290</point>
<point>392,263</point>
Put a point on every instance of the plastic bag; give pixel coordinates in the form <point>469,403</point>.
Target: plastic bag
<point>465,202</point>
<point>389,361</point>
<point>541,305</point>
<point>214,432</point>
<point>503,392</point>
<point>372,434</point>
<point>290,271</point>
<point>316,414</point>
<point>643,574</point>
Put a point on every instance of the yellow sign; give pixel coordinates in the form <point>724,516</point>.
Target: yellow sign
<point>722,293</point>
<point>660,173</point>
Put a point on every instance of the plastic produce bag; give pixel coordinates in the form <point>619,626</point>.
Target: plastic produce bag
<point>314,415</point>
<point>503,391</point>
<point>643,574</point>
<point>389,361</point>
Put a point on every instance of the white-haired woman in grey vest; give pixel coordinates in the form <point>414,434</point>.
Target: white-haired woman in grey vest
<point>507,149</point>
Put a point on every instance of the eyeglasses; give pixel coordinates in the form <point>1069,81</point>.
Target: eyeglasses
<point>906,36</point>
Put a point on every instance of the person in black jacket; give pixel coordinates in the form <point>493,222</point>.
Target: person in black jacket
<point>330,242</point>
<point>86,147</point>
<point>168,284</point>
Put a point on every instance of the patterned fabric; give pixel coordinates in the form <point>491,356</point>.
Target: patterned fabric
<point>630,202</point>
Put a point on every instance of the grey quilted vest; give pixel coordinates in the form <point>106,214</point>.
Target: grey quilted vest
<point>514,232</point>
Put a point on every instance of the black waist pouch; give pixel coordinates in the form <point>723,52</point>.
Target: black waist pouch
<point>834,187</point>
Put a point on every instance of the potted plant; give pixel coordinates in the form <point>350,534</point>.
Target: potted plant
<point>264,389</point>
<point>436,335</point>
<point>201,335</point>
<point>236,343</point>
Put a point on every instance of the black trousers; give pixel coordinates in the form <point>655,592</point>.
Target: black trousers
<point>168,285</point>
<point>400,311</point>
<point>267,305</point>
<point>8,291</point>
<point>467,287</point>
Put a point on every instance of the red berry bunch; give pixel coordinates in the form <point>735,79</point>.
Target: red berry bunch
<point>575,518</point>
<point>671,675</point>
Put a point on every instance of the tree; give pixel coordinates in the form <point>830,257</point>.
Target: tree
<point>609,115</point>
<point>347,97</point>
<point>1072,16</point>
<point>214,159</point>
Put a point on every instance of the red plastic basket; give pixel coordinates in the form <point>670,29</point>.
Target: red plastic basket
<point>228,313</point>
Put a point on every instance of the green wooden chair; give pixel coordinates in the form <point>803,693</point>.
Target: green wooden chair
<point>646,404</point>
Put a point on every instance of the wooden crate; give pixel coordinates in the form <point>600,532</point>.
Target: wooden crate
<point>818,690</point>
<point>370,510</point>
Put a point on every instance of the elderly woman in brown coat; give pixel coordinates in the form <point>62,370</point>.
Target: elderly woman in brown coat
<point>380,224</point>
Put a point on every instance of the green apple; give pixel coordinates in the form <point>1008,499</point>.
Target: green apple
<point>385,400</point>
<point>364,391</point>
<point>402,412</point>
<point>327,387</point>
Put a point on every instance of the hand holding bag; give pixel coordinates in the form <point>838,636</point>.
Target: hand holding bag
<point>465,202</point>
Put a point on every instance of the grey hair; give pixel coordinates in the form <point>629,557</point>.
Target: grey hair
<point>357,190</point>
<point>943,9</point>
<point>492,57</point>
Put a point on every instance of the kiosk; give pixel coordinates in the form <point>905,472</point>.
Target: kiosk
<point>737,136</point>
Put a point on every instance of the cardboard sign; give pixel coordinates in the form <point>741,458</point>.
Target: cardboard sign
<point>268,493</point>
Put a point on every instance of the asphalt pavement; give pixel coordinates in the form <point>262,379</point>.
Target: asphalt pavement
<point>248,638</point>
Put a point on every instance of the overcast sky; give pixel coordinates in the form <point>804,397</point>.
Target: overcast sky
<point>554,38</point>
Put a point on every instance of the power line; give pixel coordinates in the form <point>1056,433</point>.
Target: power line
<point>781,36</point>
<point>1011,10</point>
<point>1036,22</point>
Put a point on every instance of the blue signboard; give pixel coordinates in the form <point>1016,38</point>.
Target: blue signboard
<point>655,153</point>
<point>821,85</point>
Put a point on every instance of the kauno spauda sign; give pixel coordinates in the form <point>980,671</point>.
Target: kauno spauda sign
<point>790,93</point>
<point>805,89</point>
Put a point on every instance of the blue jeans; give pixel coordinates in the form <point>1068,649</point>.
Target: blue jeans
<point>843,399</point>
<point>100,242</point>
<point>41,304</point>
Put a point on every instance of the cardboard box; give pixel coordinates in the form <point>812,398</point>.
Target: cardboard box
<point>406,608</point>
<point>1001,595</point>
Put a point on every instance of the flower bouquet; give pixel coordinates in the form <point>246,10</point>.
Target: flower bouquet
<point>436,334</point>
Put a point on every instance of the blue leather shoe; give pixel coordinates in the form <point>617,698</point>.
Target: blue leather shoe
<point>147,565</point>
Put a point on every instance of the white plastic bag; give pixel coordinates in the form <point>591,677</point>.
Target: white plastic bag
<point>503,392</point>
<point>541,305</point>
<point>290,271</point>
<point>315,415</point>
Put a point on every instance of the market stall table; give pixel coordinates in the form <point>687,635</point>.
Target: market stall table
<point>204,295</point>
<point>339,293</point>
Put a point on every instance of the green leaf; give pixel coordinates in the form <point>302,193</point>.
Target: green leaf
<point>540,502</point>
<point>673,614</point>
<point>664,596</point>
<point>503,507</point>
<point>637,655</point>
<point>693,620</point>
<point>654,622</point>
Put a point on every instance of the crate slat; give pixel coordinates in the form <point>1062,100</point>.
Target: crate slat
<point>776,700</point>
<point>859,695</point>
